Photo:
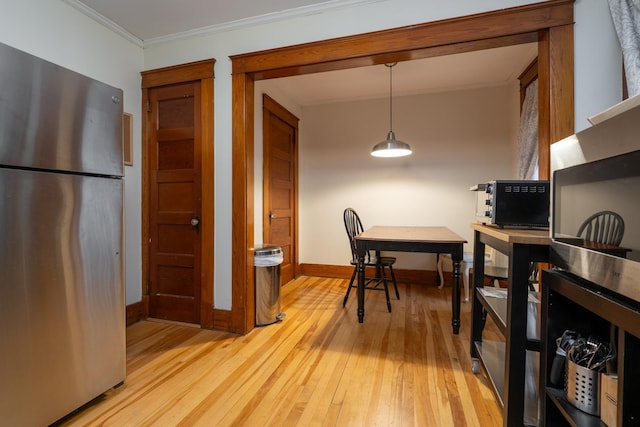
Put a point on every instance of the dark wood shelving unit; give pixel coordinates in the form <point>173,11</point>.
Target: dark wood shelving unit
<point>511,366</point>
<point>569,302</point>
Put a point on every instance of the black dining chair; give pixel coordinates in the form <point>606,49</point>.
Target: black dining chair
<point>353,226</point>
<point>605,227</point>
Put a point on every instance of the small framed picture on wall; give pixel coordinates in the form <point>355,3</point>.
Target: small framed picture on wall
<point>127,138</point>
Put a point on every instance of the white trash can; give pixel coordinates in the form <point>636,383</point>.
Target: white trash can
<point>267,260</point>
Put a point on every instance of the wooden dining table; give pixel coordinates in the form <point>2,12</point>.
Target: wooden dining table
<point>427,239</point>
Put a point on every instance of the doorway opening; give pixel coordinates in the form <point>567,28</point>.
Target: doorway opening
<point>550,24</point>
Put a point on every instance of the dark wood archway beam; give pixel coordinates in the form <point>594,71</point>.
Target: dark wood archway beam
<point>385,58</point>
<point>458,35</point>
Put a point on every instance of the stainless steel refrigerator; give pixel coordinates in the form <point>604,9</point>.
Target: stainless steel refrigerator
<point>62,309</point>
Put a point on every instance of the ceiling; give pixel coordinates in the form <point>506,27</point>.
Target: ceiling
<point>149,21</point>
<point>491,67</point>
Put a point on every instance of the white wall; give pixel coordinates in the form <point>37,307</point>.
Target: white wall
<point>458,139</point>
<point>598,61</point>
<point>55,31</point>
<point>58,33</point>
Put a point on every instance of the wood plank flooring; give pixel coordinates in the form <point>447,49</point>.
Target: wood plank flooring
<point>318,367</point>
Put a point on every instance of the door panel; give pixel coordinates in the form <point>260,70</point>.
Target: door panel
<point>280,183</point>
<point>175,201</point>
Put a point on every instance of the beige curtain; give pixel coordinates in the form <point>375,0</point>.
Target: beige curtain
<point>528,134</point>
<point>626,19</point>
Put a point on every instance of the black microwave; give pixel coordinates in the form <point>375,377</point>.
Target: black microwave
<point>523,203</point>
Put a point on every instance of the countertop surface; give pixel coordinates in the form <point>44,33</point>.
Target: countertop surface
<point>531,236</point>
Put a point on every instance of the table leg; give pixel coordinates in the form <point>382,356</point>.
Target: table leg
<point>360,289</point>
<point>455,293</point>
<point>515,357</point>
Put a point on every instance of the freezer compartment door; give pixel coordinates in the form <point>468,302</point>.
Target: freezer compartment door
<point>54,118</point>
<point>62,307</point>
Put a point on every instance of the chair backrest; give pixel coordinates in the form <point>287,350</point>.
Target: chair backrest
<point>353,225</point>
<point>603,227</point>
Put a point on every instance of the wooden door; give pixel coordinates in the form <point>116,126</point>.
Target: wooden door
<point>280,152</point>
<point>175,202</point>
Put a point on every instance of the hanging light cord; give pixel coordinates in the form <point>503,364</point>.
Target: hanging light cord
<point>391,65</point>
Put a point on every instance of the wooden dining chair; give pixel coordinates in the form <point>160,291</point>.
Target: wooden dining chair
<point>353,226</point>
<point>605,227</point>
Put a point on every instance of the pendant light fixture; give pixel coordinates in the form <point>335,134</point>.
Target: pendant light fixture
<point>391,147</point>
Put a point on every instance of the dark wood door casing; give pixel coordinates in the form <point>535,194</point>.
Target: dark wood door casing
<point>549,23</point>
<point>200,72</point>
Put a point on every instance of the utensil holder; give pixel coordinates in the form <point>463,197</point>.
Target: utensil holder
<point>582,386</point>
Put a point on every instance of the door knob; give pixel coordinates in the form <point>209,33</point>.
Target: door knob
<point>195,223</point>
<point>271,217</point>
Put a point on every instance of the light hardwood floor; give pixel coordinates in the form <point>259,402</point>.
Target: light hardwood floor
<point>318,367</point>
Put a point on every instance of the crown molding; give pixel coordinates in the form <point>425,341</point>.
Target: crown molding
<point>86,10</point>
<point>258,20</point>
<point>217,28</point>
